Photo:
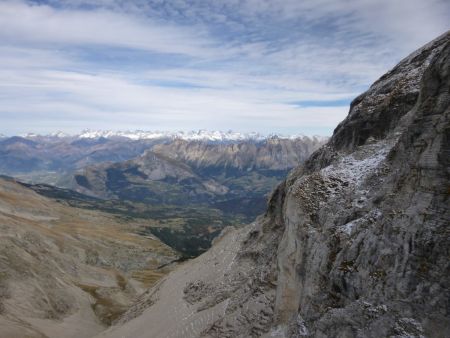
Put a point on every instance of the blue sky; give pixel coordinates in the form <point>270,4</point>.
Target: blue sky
<point>269,66</point>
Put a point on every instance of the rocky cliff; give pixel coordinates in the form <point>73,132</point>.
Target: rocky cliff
<point>354,242</point>
<point>271,154</point>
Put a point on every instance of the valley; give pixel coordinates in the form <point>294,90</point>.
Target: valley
<point>186,201</point>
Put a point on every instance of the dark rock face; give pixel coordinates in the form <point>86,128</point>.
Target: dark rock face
<point>376,112</point>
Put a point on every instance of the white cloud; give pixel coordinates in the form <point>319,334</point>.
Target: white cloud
<point>118,102</point>
<point>244,61</point>
<point>37,24</point>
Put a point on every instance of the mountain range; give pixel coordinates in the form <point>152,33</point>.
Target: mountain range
<point>52,158</point>
<point>199,135</point>
<point>183,172</point>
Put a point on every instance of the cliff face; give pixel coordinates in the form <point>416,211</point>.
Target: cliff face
<point>272,154</point>
<point>366,220</point>
<point>354,243</point>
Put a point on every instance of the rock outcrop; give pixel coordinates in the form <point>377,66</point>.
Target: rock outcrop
<point>355,241</point>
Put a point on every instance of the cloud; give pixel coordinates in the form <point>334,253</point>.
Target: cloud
<point>245,65</point>
<point>41,24</point>
<point>113,101</point>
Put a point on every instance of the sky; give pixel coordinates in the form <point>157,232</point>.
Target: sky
<point>269,66</point>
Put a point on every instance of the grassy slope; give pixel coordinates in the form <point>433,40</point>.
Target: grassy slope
<point>60,265</point>
<point>188,228</point>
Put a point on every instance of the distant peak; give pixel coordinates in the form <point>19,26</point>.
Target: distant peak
<point>195,135</point>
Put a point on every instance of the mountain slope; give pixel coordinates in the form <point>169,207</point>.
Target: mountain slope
<point>150,177</point>
<point>62,266</point>
<point>232,177</point>
<point>271,154</point>
<point>354,243</point>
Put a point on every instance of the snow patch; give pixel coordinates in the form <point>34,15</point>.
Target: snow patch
<point>355,170</point>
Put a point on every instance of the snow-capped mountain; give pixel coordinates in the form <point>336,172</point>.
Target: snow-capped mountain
<point>190,135</point>
<point>32,153</point>
<point>198,135</point>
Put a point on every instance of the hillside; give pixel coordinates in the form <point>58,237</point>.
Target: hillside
<point>61,266</point>
<point>354,242</point>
